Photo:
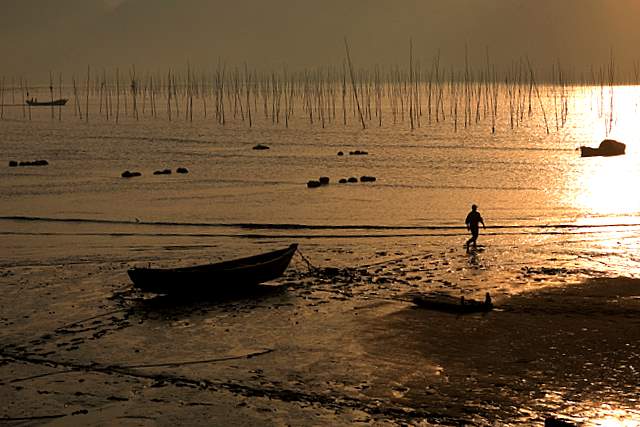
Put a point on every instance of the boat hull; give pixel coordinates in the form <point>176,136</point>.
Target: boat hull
<point>217,278</point>
<point>54,103</point>
<point>451,304</point>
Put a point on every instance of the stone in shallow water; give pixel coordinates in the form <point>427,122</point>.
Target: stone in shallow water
<point>607,147</point>
<point>558,422</point>
<point>129,174</point>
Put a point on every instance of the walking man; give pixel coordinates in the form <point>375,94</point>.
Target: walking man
<point>473,221</point>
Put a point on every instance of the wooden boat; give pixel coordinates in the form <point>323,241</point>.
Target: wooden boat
<point>222,277</point>
<point>450,304</point>
<point>608,147</point>
<point>56,102</point>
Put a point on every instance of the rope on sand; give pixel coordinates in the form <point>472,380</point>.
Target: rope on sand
<point>35,417</point>
<point>310,266</point>
<point>120,369</point>
<point>33,377</point>
<point>80,322</point>
<point>197,362</point>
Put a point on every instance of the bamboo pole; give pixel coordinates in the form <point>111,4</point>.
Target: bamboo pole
<point>247,77</point>
<point>153,99</point>
<point>26,84</point>
<point>611,91</point>
<point>105,86</point>
<point>51,93</point>
<point>411,83</point>
<point>544,114</point>
<point>86,111</point>
<point>60,96</point>
<point>2,99</point>
<point>117,94</point>
<point>134,91</point>
<point>353,82</point>
<point>78,109</point>
<point>169,95</point>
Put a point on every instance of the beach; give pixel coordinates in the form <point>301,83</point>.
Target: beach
<point>340,346</point>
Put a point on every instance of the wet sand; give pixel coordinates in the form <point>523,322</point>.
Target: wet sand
<point>336,346</point>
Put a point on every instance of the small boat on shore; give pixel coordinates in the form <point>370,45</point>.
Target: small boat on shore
<point>450,304</point>
<point>222,277</point>
<point>56,102</point>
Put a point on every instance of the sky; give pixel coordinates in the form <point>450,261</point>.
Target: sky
<point>38,36</point>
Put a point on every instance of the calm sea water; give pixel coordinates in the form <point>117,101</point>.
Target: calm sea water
<point>530,185</point>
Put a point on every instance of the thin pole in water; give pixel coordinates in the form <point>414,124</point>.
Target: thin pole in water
<point>86,109</point>
<point>2,99</point>
<point>60,93</point>
<point>353,82</point>
<point>51,92</point>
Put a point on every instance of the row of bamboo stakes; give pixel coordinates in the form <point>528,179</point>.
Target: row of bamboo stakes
<point>324,96</point>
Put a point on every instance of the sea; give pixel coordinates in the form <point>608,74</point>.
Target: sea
<point>526,175</point>
<point>548,212</point>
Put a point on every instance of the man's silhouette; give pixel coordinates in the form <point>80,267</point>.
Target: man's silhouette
<point>473,221</point>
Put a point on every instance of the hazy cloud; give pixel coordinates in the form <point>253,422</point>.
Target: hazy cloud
<point>112,4</point>
<point>66,35</point>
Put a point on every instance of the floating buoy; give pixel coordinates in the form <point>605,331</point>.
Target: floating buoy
<point>342,181</point>
<point>182,170</point>
<point>366,178</point>
<point>260,147</point>
<point>340,153</point>
<point>313,184</point>
<point>324,180</point>
<point>13,164</point>
<point>352,179</point>
<point>163,172</point>
<point>358,153</point>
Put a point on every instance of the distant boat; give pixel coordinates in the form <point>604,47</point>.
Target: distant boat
<point>608,147</point>
<point>56,102</point>
<point>212,279</point>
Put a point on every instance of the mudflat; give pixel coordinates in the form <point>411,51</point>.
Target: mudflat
<point>335,346</point>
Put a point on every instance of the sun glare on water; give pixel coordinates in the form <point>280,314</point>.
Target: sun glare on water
<point>602,187</point>
<point>604,415</point>
<point>607,187</point>
<point>621,420</point>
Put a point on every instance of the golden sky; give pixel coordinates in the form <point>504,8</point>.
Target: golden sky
<point>68,35</point>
